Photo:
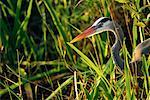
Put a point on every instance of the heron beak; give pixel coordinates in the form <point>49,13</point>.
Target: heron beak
<point>83,35</point>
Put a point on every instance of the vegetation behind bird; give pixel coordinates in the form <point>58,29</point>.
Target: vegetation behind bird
<point>36,62</point>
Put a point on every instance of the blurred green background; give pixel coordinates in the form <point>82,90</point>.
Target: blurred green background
<point>38,62</point>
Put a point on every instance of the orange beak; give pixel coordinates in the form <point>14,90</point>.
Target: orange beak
<point>85,34</point>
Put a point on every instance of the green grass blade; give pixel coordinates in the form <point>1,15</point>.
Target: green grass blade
<point>127,74</point>
<point>11,12</point>
<point>67,82</point>
<point>58,25</point>
<point>134,30</point>
<point>17,17</point>
<point>88,61</point>
<point>36,77</point>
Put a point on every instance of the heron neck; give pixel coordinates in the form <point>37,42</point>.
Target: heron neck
<point>117,30</point>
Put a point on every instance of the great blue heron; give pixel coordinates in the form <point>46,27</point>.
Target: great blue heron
<point>106,24</point>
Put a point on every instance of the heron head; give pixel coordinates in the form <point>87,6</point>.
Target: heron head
<point>100,25</point>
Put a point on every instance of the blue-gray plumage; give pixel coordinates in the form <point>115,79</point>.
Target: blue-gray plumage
<point>106,24</point>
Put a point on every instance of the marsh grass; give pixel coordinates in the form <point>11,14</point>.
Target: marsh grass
<point>38,62</point>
